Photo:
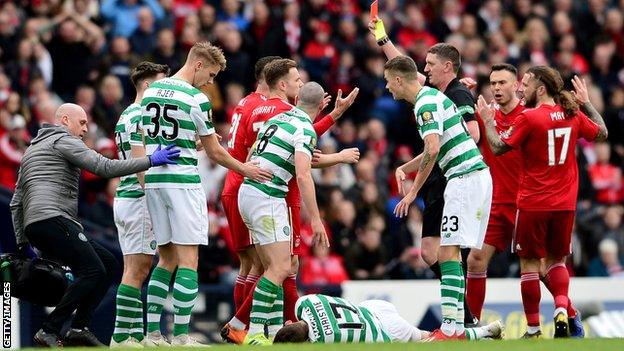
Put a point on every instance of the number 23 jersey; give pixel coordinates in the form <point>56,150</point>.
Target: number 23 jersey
<point>335,320</point>
<point>175,112</point>
<point>547,141</point>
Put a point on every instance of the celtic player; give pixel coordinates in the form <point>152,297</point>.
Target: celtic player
<point>175,111</point>
<point>133,223</point>
<point>284,145</point>
<point>468,193</point>
<point>326,319</point>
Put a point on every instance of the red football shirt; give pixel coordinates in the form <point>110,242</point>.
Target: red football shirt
<point>507,168</point>
<point>547,141</point>
<point>238,136</point>
<point>272,107</point>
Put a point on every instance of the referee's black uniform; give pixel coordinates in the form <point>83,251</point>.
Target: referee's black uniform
<point>433,190</point>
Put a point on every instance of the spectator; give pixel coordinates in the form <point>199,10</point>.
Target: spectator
<point>605,177</point>
<point>123,14</point>
<point>143,40</point>
<point>24,68</point>
<point>166,51</point>
<point>343,230</point>
<point>119,62</point>
<point>609,263</point>
<point>230,12</point>
<point>322,268</point>
<point>72,58</point>
<point>366,258</point>
<point>13,144</point>
<point>109,104</point>
<point>239,62</point>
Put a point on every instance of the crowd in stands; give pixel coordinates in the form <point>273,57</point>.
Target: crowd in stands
<point>82,51</point>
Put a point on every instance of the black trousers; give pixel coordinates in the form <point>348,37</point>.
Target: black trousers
<point>93,266</point>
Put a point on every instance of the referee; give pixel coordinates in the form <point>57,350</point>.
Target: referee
<point>44,209</point>
<point>442,65</point>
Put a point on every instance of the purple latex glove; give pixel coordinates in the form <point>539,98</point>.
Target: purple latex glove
<point>166,156</point>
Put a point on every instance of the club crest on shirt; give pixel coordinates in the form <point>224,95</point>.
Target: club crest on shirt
<point>427,117</point>
<point>507,133</point>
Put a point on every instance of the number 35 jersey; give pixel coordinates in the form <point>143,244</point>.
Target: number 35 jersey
<point>335,320</point>
<point>175,112</point>
<point>278,140</point>
<point>547,141</point>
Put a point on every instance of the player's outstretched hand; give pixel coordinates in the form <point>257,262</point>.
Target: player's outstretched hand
<point>166,156</point>
<point>319,234</point>
<point>342,104</point>
<point>350,155</point>
<point>580,91</point>
<point>376,28</point>
<point>326,100</point>
<point>400,177</point>
<point>485,110</point>
<point>468,82</point>
<point>252,171</point>
<point>316,156</point>
<point>402,207</point>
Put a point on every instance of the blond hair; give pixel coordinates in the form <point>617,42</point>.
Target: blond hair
<point>210,54</point>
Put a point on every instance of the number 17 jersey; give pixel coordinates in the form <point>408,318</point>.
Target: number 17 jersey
<point>336,320</point>
<point>175,112</point>
<point>547,141</point>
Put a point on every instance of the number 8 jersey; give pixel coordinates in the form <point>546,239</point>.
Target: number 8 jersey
<point>547,141</point>
<point>278,140</point>
<point>335,320</point>
<point>175,112</point>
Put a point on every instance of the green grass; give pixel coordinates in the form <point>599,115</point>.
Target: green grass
<point>508,345</point>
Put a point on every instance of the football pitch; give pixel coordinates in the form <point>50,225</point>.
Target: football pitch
<point>501,345</point>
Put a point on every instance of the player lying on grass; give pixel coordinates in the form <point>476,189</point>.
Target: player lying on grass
<point>326,319</point>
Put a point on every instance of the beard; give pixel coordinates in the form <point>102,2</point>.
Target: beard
<point>530,100</point>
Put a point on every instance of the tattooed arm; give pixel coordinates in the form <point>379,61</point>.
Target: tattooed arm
<point>487,115</point>
<point>429,156</point>
<point>582,96</point>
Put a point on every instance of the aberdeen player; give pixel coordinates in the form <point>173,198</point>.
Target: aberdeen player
<point>546,134</point>
<point>284,82</point>
<point>506,170</point>
<point>239,143</point>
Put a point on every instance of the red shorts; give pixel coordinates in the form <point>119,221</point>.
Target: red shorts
<point>501,226</point>
<point>240,234</point>
<point>543,233</point>
<point>294,213</point>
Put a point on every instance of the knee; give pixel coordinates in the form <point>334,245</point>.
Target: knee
<point>476,261</point>
<point>280,271</point>
<point>429,253</point>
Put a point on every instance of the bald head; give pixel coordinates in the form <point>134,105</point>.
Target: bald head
<point>73,117</point>
<point>310,96</point>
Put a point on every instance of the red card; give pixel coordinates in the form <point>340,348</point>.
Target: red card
<point>374,10</point>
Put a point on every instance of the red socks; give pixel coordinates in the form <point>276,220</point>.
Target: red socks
<point>239,291</point>
<point>475,292</point>
<point>290,297</point>
<point>557,280</point>
<point>531,295</point>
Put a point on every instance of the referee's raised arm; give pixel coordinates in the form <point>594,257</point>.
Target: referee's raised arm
<point>45,214</point>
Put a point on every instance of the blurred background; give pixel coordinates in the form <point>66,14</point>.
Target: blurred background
<point>82,51</point>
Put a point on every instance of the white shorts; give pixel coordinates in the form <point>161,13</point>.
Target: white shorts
<point>467,201</point>
<point>179,215</point>
<point>397,328</point>
<point>134,226</point>
<point>265,216</point>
